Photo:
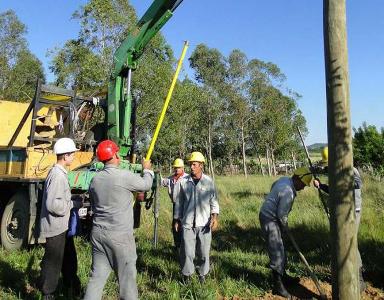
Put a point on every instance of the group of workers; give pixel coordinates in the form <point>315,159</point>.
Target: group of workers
<point>195,216</point>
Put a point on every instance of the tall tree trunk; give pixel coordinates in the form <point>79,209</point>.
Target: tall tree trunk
<point>243,151</point>
<point>268,162</point>
<point>231,168</point>
<point>293,160</point>
<point>261,164</point>
<point>211,170</point>
<point>345,284</point>
<point>273,162</point>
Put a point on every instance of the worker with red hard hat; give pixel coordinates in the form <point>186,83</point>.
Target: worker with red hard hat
<point>113,244</point>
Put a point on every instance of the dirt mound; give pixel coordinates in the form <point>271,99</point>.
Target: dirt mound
<point>306,289</point>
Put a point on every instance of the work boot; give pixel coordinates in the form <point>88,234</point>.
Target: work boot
<point>186,279</point>
<point>287,279</point>
<point>201,279</point>
<point>72,289</point>
<point>363,285</point>
<point>278,286</point>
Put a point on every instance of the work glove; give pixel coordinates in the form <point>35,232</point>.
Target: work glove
<point>284,224</point>
<point>316,183</point>
<point>78,201</point>
<point>284,228</point>
<point>214,222</point>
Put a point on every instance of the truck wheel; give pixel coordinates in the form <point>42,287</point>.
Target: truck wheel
<point>15,222</point>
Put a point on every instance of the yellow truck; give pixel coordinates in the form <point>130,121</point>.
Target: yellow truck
<point>27,133</point>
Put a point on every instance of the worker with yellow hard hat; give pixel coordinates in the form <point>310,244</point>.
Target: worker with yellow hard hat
<point>357,185</point>
<point>273,218</point>
<point>173,184</point>
<point>324,156</point>
<point>196,216</point>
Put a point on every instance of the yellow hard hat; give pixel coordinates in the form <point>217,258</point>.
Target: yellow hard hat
<point>324,155</point>
<point>178,163</point>
<point>197,156</point>
<point>304,174</point>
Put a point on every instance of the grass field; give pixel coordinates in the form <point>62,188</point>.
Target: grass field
<point>239,261</point>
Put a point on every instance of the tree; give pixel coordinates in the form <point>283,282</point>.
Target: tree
<point>210,71</point>
<point>86,61</point>
<point>277,115</point>
<point>368,147</point>
<point>239,109</point>
<point>22,77</point>
<point>246,110</point>
<point>19,67</point>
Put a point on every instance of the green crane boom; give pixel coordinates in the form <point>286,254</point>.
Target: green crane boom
<point>125,59</point>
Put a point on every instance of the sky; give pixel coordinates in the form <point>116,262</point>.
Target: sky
<point>288,33</point>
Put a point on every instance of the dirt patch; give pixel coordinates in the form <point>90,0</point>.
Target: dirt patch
<point>306,289</point>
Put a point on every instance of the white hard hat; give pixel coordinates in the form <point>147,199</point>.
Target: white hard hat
<point>64,145</point>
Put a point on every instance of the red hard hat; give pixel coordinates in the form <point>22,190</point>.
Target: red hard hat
<point>106,149</point>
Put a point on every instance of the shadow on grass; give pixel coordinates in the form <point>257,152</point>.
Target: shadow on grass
<point>248,194</point>
<point>317,241</point>
<point>314,243</point>
<point>164,252</point>
<point>22,284</point>
<point>250,239</point>
<point>232,236</point>
<point>372,256</point>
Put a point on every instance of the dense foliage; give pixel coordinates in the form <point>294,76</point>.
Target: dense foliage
<point>236,110</point>
<point>19,68</point>
<point>368,148</point>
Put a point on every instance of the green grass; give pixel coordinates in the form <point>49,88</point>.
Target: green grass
<point>239,261</point>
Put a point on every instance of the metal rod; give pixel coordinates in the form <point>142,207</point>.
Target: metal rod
<point>303,259</point>
<point>156,208</point>
<point>129,78</point>
<point>314,174</point>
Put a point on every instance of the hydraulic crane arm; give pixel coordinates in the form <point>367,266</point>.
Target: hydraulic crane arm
<point>132,47</point>
<point>124,61</point>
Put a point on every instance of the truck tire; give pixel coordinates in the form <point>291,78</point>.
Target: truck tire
<point>15,222</point>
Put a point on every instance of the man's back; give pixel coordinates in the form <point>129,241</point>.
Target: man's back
<point>111,196</point>
<point>279,201</point>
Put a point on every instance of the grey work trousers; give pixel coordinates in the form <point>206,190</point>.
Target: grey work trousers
<point>272,234</point>
<point>195,241</point>
<point>177,236</point>
<point>115,251</point>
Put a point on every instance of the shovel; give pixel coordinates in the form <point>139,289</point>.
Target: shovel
<point>302,257</point>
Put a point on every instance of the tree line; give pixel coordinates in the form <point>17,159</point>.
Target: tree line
<point>237,110</point>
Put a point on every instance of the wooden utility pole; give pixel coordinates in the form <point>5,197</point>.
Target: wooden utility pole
<point>344,240</point>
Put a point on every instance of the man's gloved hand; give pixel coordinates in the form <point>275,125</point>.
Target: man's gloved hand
<point>316,183</point>
<point>78,201</point>
<point>284,224</point>
<point>284,228</point>
<point>214,223</point>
